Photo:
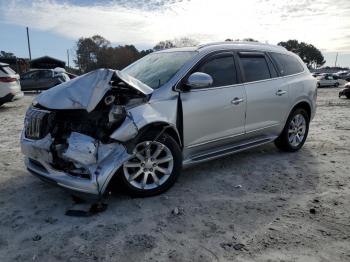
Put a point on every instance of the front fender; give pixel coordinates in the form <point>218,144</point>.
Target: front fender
<point>163,112</point>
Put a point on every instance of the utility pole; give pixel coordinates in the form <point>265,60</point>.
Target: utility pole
<point>68,57</point>
<point>336,60</point>
<point>30,54</point>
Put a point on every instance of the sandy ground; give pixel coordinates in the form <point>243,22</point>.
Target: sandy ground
<point>290,206</point>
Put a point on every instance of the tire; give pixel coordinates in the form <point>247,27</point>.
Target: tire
<point>318,85</point>
<point>283,142</point>
<point>336,84</point>
<point>347,96</point>
<point>137,187</point>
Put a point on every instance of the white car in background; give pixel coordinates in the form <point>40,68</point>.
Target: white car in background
<point>327,80</point>
<point>10,88</point>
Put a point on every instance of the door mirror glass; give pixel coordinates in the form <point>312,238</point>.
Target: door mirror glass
<point>199,80</point>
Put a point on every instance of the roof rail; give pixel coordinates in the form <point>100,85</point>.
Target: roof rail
<point>239,42</point>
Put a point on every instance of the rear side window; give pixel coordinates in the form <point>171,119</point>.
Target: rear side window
<point>255,68</point>
<point>287,65</point>
<point>30,75</point>
<point>44,74</point>
<point>221,69</point>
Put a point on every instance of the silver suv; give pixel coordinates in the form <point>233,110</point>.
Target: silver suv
<point>170,109</point>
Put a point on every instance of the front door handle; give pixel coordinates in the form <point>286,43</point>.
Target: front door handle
<point>237,101</point>
<point>280,92</point>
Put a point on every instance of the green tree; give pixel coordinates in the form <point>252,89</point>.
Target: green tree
<point>311,56</point>
<point>6,54</point>
<point>244,40</point>
<point>176,42</point>
<point>96,52</point>
<point>163,45</point>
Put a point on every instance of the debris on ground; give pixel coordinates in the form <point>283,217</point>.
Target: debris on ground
<point>36,238</point>
<point>177,211</point>
<point>236,246</point>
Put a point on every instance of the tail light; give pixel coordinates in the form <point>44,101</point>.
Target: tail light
<point>8,79</point>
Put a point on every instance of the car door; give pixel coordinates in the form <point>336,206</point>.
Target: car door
<point>267,95</point>
<point>216,113</point>
<point>45,79</point>
<point>28,80</point>
<point>332,80</point>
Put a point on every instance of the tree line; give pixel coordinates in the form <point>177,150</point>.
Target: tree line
<point>97,52</point>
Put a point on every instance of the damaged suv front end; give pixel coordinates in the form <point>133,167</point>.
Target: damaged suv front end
<point>78,134</point>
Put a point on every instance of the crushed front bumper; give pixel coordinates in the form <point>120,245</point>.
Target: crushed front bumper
<point>38,160</point>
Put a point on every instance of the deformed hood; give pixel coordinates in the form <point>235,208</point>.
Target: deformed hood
<point>86,91</point>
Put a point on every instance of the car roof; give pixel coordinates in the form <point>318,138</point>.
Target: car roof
<point>254,46</point>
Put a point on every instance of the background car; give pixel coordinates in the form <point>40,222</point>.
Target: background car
<point>327,80</point>
<point>10,88</point>
<point>42,79</point>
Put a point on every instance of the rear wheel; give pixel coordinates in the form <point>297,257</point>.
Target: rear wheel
<point>347,96</point>
<point>154,166</point>
<point>295,131</point>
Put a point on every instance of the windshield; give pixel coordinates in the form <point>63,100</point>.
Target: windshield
<point>156,69</point>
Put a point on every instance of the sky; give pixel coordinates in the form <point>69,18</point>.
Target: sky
<point>55,26</point>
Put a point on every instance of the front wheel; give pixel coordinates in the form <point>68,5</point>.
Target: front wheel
<point>295,131</point>
<point>154,166</point>
<point>336,84</point>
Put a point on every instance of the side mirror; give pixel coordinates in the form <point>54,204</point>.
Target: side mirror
<point>199,80</point>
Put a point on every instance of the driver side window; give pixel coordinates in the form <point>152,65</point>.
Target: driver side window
<point>221,69</point>
<point>30,75</point>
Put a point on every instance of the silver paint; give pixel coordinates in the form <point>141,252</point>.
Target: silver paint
<point>216,121</point>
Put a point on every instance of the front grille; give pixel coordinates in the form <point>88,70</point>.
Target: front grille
<point>36,123</point>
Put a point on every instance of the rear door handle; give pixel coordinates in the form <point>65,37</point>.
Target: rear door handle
<point>280,92</point>
<point>237,101</point>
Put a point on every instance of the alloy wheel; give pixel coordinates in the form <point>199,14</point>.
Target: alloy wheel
<point>150,166</point>
<point>297,129</point>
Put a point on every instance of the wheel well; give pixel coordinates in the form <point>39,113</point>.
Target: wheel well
<point>305,106</point>
<point>170,130</point>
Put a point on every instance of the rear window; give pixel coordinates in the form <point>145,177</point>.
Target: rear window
<point>255,68</point>
<point>287,64</point>
<point>7,70</point>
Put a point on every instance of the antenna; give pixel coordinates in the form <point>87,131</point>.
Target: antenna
<point>336,59</point>
<point>30,54</point>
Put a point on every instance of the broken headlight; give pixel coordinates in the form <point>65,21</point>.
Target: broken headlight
<point>116,115</point>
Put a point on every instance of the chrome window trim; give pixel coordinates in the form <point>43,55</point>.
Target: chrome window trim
<point>213,88</point>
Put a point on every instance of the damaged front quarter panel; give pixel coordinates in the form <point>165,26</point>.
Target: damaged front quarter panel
<point>154,112</point>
